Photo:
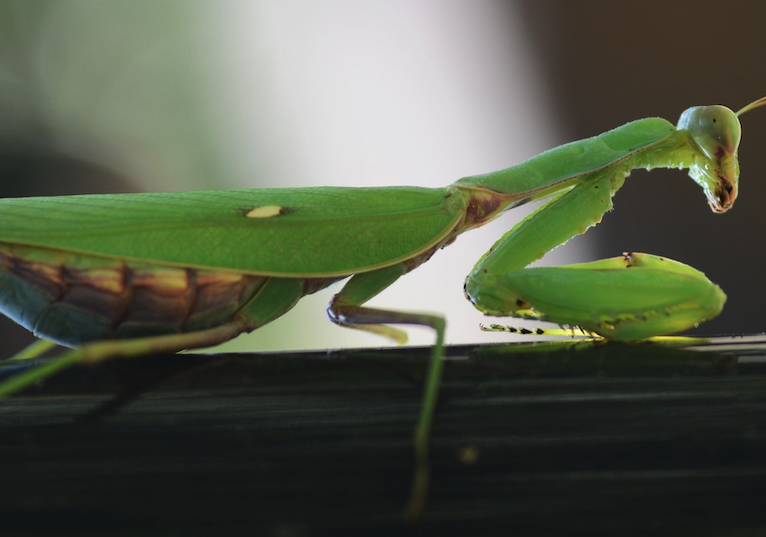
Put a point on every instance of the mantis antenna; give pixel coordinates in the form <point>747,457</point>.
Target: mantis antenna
<point>755,104</point>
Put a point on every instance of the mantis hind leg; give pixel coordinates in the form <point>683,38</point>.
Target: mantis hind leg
<point>34,350</point>
<point>104,350</point>
<point>346,310</point>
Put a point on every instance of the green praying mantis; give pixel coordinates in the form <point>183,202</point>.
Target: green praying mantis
<point>125,275</point>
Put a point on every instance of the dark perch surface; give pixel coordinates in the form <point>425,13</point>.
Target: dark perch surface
<point>635,440</point>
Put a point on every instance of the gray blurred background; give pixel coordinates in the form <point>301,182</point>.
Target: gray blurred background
<point>108,96</point>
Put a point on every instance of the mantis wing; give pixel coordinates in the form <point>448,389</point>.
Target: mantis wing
<point>302,232</point>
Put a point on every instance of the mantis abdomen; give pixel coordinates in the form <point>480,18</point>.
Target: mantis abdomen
<point>75,298</point>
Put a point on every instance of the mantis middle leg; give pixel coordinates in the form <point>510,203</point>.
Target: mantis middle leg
<point>346,309</point>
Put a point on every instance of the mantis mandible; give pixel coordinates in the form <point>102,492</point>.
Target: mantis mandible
<point>133,274</point>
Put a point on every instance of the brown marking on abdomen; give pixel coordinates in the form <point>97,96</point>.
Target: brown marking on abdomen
<point>124,293</point>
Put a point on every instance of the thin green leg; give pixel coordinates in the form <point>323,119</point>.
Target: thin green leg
<point>38,348</point>
<point>26,379</point>
<point>105,350</point>
<point>421,480</point>
<point>345,309</point>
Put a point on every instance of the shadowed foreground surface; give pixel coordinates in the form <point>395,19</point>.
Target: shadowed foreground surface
<point>633,440</point>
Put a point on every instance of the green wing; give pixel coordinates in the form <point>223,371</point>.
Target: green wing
<point>324,231</point>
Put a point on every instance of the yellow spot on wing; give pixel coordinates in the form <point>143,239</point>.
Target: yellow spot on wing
<point>264,211</point>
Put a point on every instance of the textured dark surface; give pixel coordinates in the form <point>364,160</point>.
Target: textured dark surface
<point>634,440</point>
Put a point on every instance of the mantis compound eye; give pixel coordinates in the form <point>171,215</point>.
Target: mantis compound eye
<point>715,129</point>
<point>719,129</point>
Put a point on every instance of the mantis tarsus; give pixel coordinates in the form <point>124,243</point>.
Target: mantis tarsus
<point>133,274</point>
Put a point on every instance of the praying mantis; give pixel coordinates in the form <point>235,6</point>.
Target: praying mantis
<point>124,275</point>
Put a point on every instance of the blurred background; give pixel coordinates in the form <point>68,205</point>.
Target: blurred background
<point>148,95</point>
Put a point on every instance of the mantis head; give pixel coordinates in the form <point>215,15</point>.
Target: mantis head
<point>716,132</point>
